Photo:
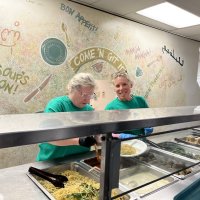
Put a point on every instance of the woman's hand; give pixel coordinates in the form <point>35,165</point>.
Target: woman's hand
<point>87,141</point>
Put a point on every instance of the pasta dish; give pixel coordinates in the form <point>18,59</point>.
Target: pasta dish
<point>127,149</point>
<point>78,187</point>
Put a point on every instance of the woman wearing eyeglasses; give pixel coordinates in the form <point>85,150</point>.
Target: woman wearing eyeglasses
<point>81,89</point>
<point>126,100</point>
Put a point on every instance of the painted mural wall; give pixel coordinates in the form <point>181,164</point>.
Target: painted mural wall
<point>43,43</point>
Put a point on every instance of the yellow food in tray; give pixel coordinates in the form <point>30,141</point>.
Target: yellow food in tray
<point>133,181</point>
<point>152,187</point>
<point>127,149</point>
<point>192,139</point>
<point>78,187</point>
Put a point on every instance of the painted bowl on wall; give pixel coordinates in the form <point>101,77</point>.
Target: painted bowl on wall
<point>53,51</point>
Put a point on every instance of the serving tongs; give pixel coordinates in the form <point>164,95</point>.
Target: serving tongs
<point>56,180</point>
<point>153,144</point>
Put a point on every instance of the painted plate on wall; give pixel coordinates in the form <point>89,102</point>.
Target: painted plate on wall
<point>53,51</point>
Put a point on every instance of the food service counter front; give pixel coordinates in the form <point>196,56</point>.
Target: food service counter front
<point>37,128</point>
<point>16,185</point>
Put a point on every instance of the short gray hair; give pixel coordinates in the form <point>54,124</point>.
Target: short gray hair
<point>81,80</point>
<point>121,73</point>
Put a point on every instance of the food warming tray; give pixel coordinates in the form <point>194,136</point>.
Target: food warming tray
<point>192,140</point>
<point>74,166</point>
<point>169,162</point>
<point>181,149</point>
<point>92,164</point>
<point>134,174</point>
<point>130,165</point>
<point>196,130</point>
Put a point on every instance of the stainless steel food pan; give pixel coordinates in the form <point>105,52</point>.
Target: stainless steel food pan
<point>93,164</point>
<point>74,166</point>
<point>188,140</point>
<point>169,162</point>
<point>181,149</point>
<point>134,174</point>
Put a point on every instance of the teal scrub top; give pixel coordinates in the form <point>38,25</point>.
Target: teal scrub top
<point>135,103</point>
<point>49,151</point>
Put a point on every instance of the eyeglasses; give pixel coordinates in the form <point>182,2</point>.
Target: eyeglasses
<point>87,96</point>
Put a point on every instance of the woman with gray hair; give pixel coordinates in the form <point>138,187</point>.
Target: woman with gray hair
<point>81,89</point>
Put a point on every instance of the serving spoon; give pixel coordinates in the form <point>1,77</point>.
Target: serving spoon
<point>97,153</point>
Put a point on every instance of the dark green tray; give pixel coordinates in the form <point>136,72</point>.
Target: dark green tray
<point>192,192</point>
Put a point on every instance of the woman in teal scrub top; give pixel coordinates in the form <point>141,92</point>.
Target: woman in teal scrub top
<point>81,89</point>
<point>126,100</point>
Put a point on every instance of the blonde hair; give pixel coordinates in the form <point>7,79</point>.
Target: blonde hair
<point>81,80</point>
<point>121,73</point>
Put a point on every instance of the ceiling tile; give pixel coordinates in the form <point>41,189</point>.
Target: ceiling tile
<point>87,2</point>
<point>148,21</point>
<point>196,37</point>
<point>192,6</point>
<point>125,6</point>
<point>128,8</point>
<point>192,30</point>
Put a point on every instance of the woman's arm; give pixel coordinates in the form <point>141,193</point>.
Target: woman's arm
<point>73,141</point>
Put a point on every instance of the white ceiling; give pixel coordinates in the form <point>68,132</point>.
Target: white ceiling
<point>128,8</point>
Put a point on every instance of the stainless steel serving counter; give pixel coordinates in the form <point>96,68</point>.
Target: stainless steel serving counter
<point>36,128</point>
<point>16,185</point>
<point>43,127</point>
<point>169,192</point>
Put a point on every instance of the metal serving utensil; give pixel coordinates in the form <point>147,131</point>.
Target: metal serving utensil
<point>153,144</point>
<point>97,153</point>
<point>56,180</point>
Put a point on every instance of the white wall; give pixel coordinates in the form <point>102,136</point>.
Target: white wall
<point>81,33</point>
<point>30,52</point>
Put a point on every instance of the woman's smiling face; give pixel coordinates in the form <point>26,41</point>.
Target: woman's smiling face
<point>122,88</point>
